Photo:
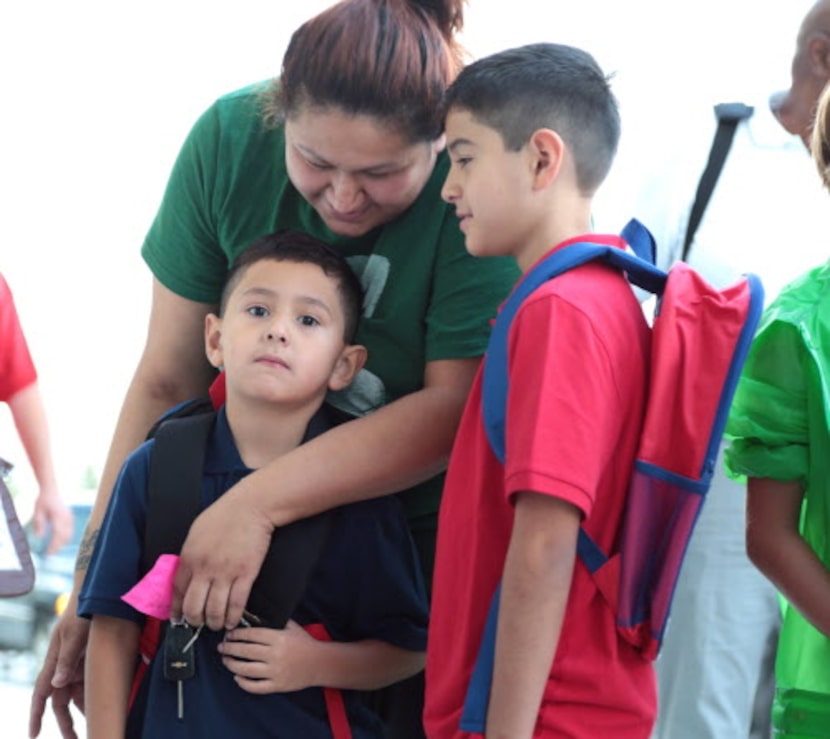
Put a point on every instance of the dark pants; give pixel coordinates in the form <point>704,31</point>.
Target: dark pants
<point>401,706</point>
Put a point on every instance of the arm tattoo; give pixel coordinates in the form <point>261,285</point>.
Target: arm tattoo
<point>85,550</point>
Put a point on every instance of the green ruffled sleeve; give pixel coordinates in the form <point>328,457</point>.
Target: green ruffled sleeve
<point>768,422</point>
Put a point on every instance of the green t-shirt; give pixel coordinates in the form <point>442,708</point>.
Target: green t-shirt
<point>426,298</point>
<point>780,428</point>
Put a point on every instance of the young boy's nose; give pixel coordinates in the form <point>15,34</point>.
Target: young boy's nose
<point>450,191</point>
<point>277,330</point>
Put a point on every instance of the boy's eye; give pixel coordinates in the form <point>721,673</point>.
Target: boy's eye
<point>257,310</point>
<point>463,161</point>
<point>308,321</point>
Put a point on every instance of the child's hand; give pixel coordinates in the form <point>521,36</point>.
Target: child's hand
<point>270,660</point>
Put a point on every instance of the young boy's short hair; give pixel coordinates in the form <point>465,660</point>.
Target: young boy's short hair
<point>291,246</point>
<point>519,91</point>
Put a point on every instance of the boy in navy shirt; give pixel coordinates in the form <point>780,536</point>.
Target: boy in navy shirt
<point>287,317</point>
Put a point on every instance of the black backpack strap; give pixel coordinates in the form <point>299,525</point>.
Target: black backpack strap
<point>174,502</point>
<point>728,115</point>
<point>294,551</point>
<point>174,487</point>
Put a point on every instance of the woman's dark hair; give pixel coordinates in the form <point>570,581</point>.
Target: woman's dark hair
<point>389,59</point>
<point>292,246</point>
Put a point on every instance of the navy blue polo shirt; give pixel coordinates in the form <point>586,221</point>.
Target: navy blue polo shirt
<point>366,585</point>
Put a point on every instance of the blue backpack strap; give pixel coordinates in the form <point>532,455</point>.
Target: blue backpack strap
<point>640,272</point>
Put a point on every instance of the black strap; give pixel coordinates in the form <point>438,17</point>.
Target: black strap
<point>174,487</point>
<point>174,501</point>
<point>728,115</point>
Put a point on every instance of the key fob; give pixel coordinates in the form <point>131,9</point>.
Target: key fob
<point>179,663</point>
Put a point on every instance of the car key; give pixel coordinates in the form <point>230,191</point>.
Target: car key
<point>180,657</point>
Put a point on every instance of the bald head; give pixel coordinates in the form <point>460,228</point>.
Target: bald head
<point>795,107</point>
<point>817,20</point>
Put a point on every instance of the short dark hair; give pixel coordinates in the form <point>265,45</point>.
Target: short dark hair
<point>292,246</point>
<point>521,90</point>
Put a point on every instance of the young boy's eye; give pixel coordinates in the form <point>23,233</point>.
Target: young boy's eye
<point>257,310</point>
<point>463,161</point>
<point>308,321</point>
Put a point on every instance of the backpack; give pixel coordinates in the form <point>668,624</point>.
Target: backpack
<point>174,501</point>
<point>700,339</point>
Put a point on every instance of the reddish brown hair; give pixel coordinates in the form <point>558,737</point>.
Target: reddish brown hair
<point>390,59</point>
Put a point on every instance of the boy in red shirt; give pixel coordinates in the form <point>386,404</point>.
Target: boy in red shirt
<point>531,134</point>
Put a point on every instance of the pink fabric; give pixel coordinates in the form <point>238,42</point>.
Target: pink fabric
<point>153,594</point>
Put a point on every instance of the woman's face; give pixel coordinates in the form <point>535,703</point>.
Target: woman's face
<point>355,172</point>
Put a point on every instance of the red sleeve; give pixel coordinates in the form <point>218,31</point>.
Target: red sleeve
<point>17,370</point>
<point>563,406</point>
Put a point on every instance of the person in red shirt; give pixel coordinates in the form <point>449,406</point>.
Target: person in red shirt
<point>19,389</point>
<point>531,134</point>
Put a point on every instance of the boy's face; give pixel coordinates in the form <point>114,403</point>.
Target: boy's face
<point>489,186</point>
<point>281,337</point>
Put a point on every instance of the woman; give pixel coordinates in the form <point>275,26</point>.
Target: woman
<point>348,148</point>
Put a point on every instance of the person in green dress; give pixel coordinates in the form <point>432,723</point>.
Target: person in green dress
<point>780,429</point>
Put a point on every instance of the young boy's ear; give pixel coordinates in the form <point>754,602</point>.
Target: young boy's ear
<point>213,340</point>
<point>547,152</point>
<point>349,363</point>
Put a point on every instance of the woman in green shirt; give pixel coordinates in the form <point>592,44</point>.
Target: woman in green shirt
<point>348,147</point>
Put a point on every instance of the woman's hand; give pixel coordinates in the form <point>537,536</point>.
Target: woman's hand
<point>220,560</point>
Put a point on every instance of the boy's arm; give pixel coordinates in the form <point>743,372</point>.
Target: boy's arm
<point>110,665</point>
<point>282,660</point>
<point>535,587</point>
<point>776,547</point>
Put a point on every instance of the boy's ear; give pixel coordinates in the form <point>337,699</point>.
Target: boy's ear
<point>350,362</point>
<point>213,340</point>
<point>547,151</point>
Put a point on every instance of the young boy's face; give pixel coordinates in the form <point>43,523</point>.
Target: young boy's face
<point>488,185</point>
<point>281,336</point>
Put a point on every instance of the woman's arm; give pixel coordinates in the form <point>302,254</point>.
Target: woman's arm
<point>395,447</point>
<point>172,368</point>
<point>776,547</point>
<point>29,417</point>
<point>110,665</point>
<point>282,660</point>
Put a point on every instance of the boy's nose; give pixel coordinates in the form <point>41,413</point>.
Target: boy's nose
<point>450,191</point>
<point>277,331</point>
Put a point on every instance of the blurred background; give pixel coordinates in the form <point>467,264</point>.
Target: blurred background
<point>99,96</point>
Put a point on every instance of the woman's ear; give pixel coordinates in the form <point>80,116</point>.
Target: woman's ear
<point>213,340</point>
<point>350,362</point>
<point>547,151</point>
